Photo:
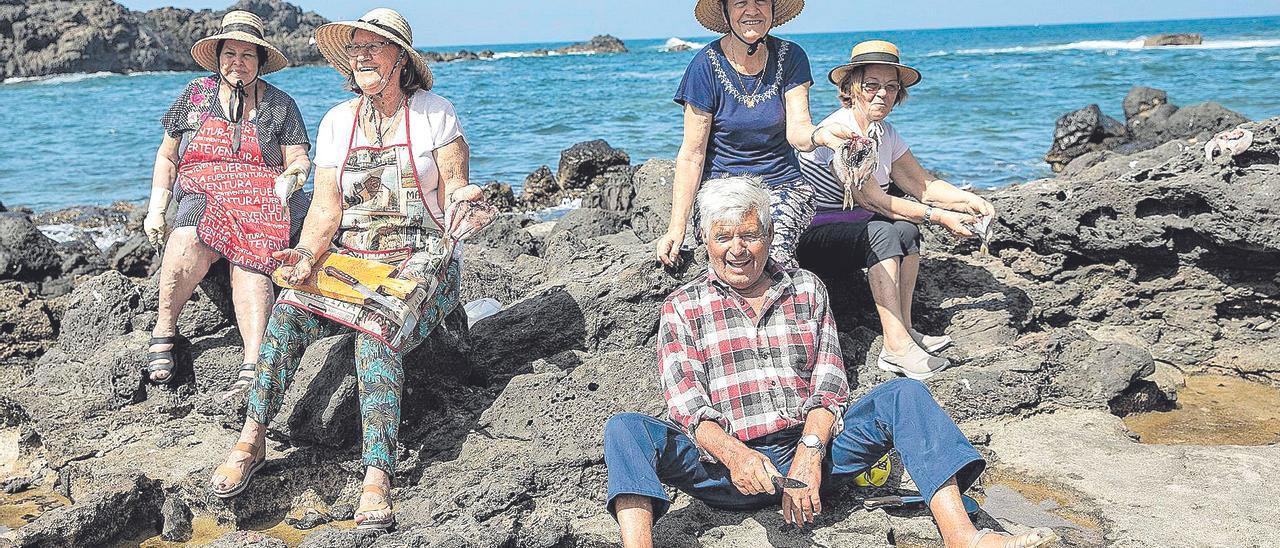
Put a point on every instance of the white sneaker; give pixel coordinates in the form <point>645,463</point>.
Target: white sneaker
<point>915,363</point>
<point>930,343</point>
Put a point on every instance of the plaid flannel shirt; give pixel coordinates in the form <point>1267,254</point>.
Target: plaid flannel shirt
<point>752,375</point>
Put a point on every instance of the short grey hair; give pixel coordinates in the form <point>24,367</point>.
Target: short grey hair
<point>730,200</point>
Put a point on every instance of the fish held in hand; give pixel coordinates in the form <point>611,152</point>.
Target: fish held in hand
<point>856,159</point>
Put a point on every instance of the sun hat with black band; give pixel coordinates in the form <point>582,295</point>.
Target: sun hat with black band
<point>245,27</point>
<point>385,22</point>
<point>713,15</point>
<point>876,52</point>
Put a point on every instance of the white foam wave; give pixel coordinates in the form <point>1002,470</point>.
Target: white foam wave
<point>59,78</point>
<point>676,43</point>
<point>549,53</point>
<point>103,237</point>
<point>1111,45</point>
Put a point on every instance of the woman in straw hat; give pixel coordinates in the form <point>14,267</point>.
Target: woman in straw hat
<point>881,232</point>
<point>746,110</point>
<point>390,162</point>
<point>237,149</point>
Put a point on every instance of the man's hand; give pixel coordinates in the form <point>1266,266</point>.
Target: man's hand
<point>799,506</point>
<point>752,473</point>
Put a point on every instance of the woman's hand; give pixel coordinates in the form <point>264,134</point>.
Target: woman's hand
<point>976,205</point>
<point>295,265</point>
<point>832,135</point>
<point>154,225</point>
<point>468,193</point>
<point>955,222</point>
<point>669,246</point>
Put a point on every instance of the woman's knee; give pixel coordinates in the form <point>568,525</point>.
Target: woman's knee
<point>908,236</point>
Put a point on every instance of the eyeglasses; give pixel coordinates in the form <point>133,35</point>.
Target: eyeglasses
<point>371,48</point>
<point>873,88</point>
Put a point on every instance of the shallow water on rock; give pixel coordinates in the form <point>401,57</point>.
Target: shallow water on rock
<point>1214,410</point>
<point>206,529</point>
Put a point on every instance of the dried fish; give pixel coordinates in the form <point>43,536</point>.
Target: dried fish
<point>1229,143</point>
<point>856,160</point>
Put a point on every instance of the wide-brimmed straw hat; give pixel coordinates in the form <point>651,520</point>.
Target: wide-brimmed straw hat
<point>876,52</point>
<point>711,13</point>
<point>385,22</point>
<point>245,27</point>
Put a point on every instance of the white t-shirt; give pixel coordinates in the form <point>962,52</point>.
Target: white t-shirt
<point>828,191</point>
<point>432,124</point>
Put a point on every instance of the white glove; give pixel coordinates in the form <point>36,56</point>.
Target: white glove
<point>154,225</point>
<point>292,180</point>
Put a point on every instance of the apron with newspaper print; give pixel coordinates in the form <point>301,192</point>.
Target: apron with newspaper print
<point>386,217</point>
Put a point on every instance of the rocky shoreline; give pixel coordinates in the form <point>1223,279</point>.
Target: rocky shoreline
<point>1105,287</point>
<point>47,37</point>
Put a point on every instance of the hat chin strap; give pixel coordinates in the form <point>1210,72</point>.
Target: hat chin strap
<point>751,46</point>
<point>387,81</point>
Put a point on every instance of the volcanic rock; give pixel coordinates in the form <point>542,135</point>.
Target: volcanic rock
<point>1150,121</point>
<point>582,163</point>
<point>603,43</point>
<point>58,36</point>
<point>1177,39</point>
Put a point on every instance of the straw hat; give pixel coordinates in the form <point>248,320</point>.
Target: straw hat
<point>245,27</point>
<point>384,22</point>
<point>876,52</point>
<point>711,13</point>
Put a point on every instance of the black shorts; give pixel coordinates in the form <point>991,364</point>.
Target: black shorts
<point>842,247</point>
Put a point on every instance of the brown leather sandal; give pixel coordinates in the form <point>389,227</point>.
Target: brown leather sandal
<point>233,474</point>
<point>382,524</point>
<point>1035,538</point>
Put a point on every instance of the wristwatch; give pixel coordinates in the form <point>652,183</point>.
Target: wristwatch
<point>811,441</point>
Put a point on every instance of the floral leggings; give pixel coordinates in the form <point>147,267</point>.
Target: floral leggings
<point>379,369</point>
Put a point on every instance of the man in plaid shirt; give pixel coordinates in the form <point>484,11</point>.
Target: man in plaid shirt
<point>758,400</point>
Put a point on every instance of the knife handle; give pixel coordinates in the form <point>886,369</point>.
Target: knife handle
<point>341,276</point>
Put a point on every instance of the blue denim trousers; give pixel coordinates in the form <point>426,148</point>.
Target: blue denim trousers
<point>642,453</point>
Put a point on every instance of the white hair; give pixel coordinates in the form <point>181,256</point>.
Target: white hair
<point>730,200</point>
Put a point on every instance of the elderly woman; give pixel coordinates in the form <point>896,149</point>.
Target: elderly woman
<point>389,162</point>
<point>746,108</point>
<point>227,140</point>
<point>881,233</point>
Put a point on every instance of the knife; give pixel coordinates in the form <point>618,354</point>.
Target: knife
<point>371,295</point>
<point>783,482</point>
<point>896,501</point>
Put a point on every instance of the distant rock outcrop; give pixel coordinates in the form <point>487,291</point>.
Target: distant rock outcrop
<point>67,36</point>
<point>1176,39</point>
<point>603,43</point>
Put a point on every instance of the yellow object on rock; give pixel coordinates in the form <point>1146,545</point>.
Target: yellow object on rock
<point>877,475</point>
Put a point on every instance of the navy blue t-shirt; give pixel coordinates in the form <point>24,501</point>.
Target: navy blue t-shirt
<point>748,115</point>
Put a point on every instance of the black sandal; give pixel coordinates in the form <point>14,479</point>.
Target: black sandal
<point>162,361</point>
<point>245,379</point>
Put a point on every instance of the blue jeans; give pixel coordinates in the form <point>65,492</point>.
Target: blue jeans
<point>643,453</point>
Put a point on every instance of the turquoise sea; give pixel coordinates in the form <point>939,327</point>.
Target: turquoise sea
<point>982,116</point>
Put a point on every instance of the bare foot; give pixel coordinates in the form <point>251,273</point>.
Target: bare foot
<point>1035,538</point>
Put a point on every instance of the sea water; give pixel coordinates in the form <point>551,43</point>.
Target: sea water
<point>982,116</point>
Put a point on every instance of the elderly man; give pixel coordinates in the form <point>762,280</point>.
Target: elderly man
<point>755,386</point>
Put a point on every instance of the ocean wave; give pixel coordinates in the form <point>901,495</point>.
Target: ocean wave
<point>550,53</point>
<point>675,43</point>
<point>1110,45</point>
<point>59,78</point>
